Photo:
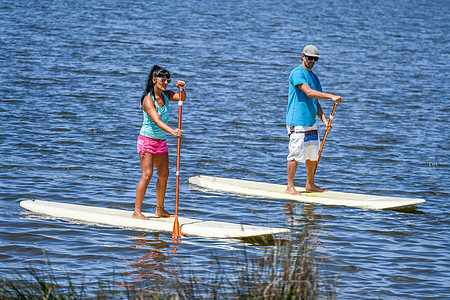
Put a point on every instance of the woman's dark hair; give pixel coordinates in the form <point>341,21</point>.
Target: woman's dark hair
<point>156,71</point>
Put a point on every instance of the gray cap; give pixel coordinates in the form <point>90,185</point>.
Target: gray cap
<point>311,50</point>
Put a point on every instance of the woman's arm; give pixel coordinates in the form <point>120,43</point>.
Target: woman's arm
<point>150,109</point>
<point>176,96</point>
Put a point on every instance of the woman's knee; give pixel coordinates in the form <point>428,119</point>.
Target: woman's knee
<point>163,174</point>
<point>146,176</point>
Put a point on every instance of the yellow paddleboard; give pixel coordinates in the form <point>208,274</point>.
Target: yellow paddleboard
<point>270,190</point>
<point>122,218</point>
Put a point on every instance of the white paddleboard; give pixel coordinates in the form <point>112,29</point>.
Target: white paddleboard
<point>122,218</point>
<point>270,190</point>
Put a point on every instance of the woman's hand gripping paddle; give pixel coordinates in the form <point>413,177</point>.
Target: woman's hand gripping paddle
<point>326,132</point>
<point>176,225</point>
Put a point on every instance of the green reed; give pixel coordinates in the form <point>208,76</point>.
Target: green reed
<point>289,268</point>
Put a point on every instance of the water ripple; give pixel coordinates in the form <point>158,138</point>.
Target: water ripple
<point>72,73</point>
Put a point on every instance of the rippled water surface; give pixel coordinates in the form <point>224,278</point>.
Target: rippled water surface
<point>71,76</point>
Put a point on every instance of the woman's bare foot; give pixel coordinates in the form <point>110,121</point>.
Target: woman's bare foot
<point>162,213</point>
<point>292,191</point>
<point>139,216</point>
<point>314,188</point>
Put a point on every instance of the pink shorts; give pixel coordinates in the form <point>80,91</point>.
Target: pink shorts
<point>152,146</point>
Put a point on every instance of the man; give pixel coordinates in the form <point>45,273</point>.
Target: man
<point>303,107</point>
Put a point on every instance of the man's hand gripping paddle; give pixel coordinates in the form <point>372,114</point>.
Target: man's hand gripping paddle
<point>326,132</point>
<point>176,225</point>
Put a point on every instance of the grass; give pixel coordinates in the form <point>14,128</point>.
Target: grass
<point>288,269</point>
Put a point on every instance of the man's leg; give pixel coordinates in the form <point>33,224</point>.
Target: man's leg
<point>311,167</point>
<point>291,169</point>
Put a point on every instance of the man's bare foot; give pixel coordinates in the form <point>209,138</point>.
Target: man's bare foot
<point>292,191</point>
<point>139,216</point>
<point>162,213</point>
<point>314,188</point>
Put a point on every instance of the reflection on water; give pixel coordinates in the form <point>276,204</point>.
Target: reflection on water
<point>72,73</point>
<point>165,262</point>
<point>176,243</point>
<point>270,266</point>
<point>156,261</point>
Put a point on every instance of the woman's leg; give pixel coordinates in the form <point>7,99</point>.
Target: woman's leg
<point>162,167</point>
<point>147,172</point>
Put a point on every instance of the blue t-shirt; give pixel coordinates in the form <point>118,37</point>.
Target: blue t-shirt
<point>149,128</point>
<point>302,110</point>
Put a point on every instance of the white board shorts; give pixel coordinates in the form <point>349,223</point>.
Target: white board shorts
<point>303,144</point>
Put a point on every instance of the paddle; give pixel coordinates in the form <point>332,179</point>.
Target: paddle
<point>326,132</point>
<point>176,225</point>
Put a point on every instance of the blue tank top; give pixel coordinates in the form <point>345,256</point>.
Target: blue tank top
<point>149,128</point>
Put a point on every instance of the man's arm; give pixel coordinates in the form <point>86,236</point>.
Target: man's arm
<point>322,116</point>
<point>305,88</point>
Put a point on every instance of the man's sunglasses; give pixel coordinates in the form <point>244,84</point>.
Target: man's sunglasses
<point>312,58</point>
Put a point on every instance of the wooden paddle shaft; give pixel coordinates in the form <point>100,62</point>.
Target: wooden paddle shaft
<point>326,132</point>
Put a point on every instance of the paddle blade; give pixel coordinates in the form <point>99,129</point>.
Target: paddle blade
<point>177,228</point>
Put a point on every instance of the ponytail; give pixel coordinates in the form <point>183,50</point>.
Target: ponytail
<point>156,71</point>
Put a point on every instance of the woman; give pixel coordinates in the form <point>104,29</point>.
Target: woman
<point>152,146</point>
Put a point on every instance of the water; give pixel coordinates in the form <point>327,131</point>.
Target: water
<point>71,77</point>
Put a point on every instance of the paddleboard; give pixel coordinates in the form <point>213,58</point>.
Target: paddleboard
<point>122,218</point>
<point>270,190</point>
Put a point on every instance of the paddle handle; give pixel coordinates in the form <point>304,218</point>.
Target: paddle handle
<point>326,132</point>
